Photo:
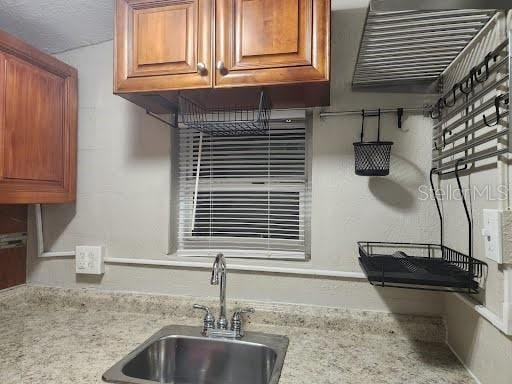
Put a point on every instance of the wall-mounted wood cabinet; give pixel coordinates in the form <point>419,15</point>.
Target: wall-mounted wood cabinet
<point>163,45</point>
<point>38,125</point>
<point>176,45</point>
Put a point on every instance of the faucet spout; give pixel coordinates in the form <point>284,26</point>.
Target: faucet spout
<point>219,278</point>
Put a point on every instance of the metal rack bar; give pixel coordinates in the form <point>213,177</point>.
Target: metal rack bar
<point>414,45</point>
<point>462,119</point>
<point>509,137</point>
<point>432,17</point>
<point>465,119</point>
<point>473,129</point>
<point>400,5</point>
<point>484,139</point>
<point>410,110</point>
<point>493,152</point>
<point>172,124</point>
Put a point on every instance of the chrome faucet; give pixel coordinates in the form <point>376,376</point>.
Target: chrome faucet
<point>219,278</point>
<point>220,329</point>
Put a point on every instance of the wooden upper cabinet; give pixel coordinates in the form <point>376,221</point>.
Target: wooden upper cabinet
<point>202,48</point>
<point>163,45</point>
<point>38,124</point>
<point>268,42</point>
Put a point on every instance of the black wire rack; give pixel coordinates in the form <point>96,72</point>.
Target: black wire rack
<point>433,267</point>
<point>227,121</point>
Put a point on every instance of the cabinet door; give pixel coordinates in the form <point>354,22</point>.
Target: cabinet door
<point>266,42</point>
<point>163,45</point>
<point>37,133</point>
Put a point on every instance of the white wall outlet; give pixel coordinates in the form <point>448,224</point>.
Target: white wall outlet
<point>493,235</point>
<point>89,260</point>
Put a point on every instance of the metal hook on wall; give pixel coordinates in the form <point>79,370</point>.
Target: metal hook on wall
<point>497,104</point>
<point>443,144</point>
<point>479,71</point>
<point>438,107</point>
<point>454,95</point>
<point>400,115</point>
<point>466,83</point>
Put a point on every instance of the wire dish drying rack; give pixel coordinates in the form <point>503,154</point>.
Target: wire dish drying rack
<point>226,121</point>
<point>433,267</point>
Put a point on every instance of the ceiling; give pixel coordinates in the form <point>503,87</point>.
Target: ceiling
<point>59,25</point>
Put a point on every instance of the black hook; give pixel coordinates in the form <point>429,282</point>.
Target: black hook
<point>400,115</point>
<point>454,91</point>
<point>444,137</point>
<point>487,72</point>
<point>434,191</point>
<point>432,111</point>
<point>363,115</point>
<point>497,104</point>
<point>438,106</point>
<point>468,215</point>
<point>469,88</point>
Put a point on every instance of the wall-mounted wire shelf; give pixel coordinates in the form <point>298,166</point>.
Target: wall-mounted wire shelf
<point>423,266</point>
<point>471,119</point>
<point>226,121</point>
<point>409,265</point>
<point>409,50</point>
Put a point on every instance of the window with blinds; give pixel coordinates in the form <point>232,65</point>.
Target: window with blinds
<point>244,196</point>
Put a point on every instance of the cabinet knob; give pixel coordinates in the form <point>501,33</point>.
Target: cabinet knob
<point>201,69</point>
<point>221,67</point>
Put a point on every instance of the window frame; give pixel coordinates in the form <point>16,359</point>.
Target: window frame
<point>205,185</point>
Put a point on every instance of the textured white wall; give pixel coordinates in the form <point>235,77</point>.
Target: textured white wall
<point>123,194</point>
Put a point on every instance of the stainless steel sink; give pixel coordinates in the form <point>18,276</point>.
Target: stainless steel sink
<point>180,355</point>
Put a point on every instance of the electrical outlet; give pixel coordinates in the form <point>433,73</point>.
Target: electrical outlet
<point>492,231</point>
<point>89,260</point>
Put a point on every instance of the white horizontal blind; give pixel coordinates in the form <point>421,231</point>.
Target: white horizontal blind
<point>251,193</point>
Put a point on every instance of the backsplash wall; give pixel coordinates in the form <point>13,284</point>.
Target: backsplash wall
<point>124,195</point>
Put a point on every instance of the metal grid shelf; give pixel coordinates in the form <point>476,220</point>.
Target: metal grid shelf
<point>414,47</point>
<point>228,121</point>
<point>471,120</point>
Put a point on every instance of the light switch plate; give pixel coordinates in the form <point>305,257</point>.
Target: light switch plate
<point>493,235</point>
<point>89,260</point>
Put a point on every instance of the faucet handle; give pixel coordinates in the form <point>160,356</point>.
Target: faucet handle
<point>236,321</point>
<point>209,319</point>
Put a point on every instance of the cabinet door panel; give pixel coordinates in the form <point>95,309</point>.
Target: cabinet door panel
<point>34,123</point>
<point>164,40</point>
<point>38,126</point>
<point>266,42</point>
<point>272,33</point>
<point>159,44</point>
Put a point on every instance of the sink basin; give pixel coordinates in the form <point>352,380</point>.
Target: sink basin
<point>180,355</point>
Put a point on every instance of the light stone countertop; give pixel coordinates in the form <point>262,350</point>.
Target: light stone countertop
<point>51,335</point>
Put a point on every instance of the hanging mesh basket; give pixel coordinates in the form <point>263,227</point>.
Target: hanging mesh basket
<point>372,158</point>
